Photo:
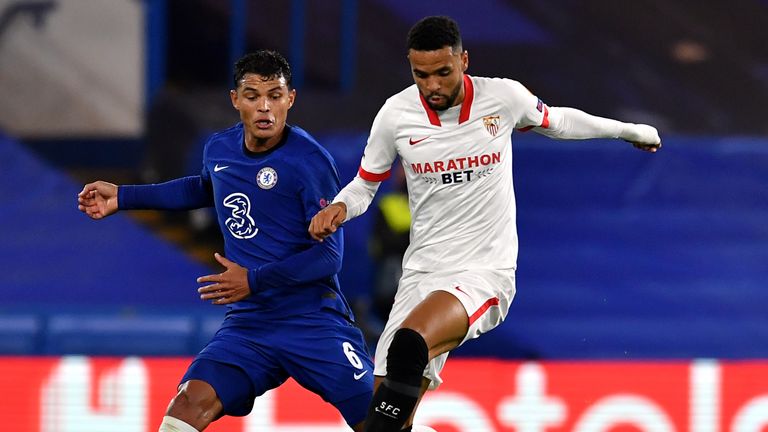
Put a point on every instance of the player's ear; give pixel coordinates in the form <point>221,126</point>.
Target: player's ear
<point>233,98</point>
<point>291,97</point>
<point>464,60</point>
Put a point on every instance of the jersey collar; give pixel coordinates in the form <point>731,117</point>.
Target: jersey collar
<point>466,105</point>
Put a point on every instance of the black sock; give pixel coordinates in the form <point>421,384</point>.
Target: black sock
<point>396,397</point>
<point>391,407</point>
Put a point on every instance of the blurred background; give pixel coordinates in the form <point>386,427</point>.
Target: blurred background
<point>623,255</point>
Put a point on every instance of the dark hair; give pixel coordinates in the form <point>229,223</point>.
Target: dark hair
<point>433,33</point>
<point>269,64</point>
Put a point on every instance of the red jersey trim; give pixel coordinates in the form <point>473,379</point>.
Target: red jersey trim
<point>469,96</point>
<point>466,104</point>
<point>365,175</point>
<point>544,122</point>
<point>478,313</point>
<point>434,119</point>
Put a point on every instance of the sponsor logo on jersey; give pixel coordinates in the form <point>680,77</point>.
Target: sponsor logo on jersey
<point>456,163</point>
<point>240,223</point>
<point>266,178</point>
<point>457,170</point>
<point>491,124</point>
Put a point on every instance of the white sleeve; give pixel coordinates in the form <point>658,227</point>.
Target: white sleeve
<point>357,195</point>
<point>571,123</point>
<point>375,165</point>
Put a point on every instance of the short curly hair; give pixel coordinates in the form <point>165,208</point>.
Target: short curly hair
<point>267,63</point>
<point>433,33</point>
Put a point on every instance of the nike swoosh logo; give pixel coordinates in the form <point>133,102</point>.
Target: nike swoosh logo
<point>461,291</point>
<point>360,375</point>
<point>412,141</point>
<point>218,168</point>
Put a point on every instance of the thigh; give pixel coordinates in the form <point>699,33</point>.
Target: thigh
<point>240,365</point>
<point>486,295</point>
<point>439,317</point>
<point>326,354</point>
<point>206,379</point>
<point>478,301</point>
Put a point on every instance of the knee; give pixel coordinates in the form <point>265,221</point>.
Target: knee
<point>408,353</point>
<point>197,405</point>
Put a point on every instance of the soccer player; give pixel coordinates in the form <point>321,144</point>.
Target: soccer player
<point>452,133</point>
<point>286,314</point>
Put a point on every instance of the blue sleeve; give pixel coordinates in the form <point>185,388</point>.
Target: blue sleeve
<point>320,261</point>
<point>319,184</point>
<point>180,194</point>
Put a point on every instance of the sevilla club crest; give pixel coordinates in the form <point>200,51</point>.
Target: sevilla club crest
<point>491,124</point>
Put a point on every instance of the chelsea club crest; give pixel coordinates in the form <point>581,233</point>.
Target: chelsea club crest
<point>266,178</point>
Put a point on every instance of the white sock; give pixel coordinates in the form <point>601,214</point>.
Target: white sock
<point>171,424</point>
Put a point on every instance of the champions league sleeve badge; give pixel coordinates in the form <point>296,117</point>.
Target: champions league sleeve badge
<point>266,178</point>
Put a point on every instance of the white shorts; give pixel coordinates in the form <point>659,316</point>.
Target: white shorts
<point>485,294</point>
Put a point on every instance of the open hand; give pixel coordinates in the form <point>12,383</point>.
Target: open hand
<point>228,287</point>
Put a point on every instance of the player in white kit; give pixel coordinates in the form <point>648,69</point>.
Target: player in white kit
<point>452,133</point>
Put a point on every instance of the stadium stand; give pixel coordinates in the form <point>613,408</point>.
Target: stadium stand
<point>120,334</point>
<point>623,255</point>
<point>59,267</point>
<point>20,333</point>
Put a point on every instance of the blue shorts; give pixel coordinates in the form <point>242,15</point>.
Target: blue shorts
<point>323,352</point>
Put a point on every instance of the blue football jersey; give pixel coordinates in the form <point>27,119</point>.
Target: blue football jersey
<point>264,203</point>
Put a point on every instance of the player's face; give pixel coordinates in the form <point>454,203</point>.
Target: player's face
<point>263,104</point>
<point>439,76</point>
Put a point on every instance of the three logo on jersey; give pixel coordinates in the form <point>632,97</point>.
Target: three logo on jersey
<point>240,223</point>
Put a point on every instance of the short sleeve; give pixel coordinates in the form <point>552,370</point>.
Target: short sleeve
<point>530,111</point>
<point>380,151</point>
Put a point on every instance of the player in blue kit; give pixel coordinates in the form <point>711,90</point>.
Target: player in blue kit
<point>286,314</point>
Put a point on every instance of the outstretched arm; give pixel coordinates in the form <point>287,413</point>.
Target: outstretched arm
<point>183,193</point>
<point>571,123</point>
<point>101,199</point>
<point>354,199</point>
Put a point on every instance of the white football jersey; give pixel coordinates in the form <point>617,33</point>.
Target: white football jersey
<point>458,165</point>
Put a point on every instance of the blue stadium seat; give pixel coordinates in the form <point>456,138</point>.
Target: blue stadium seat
<point>207,326</point>
<point>19,334</point>
<point>119,334</point>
